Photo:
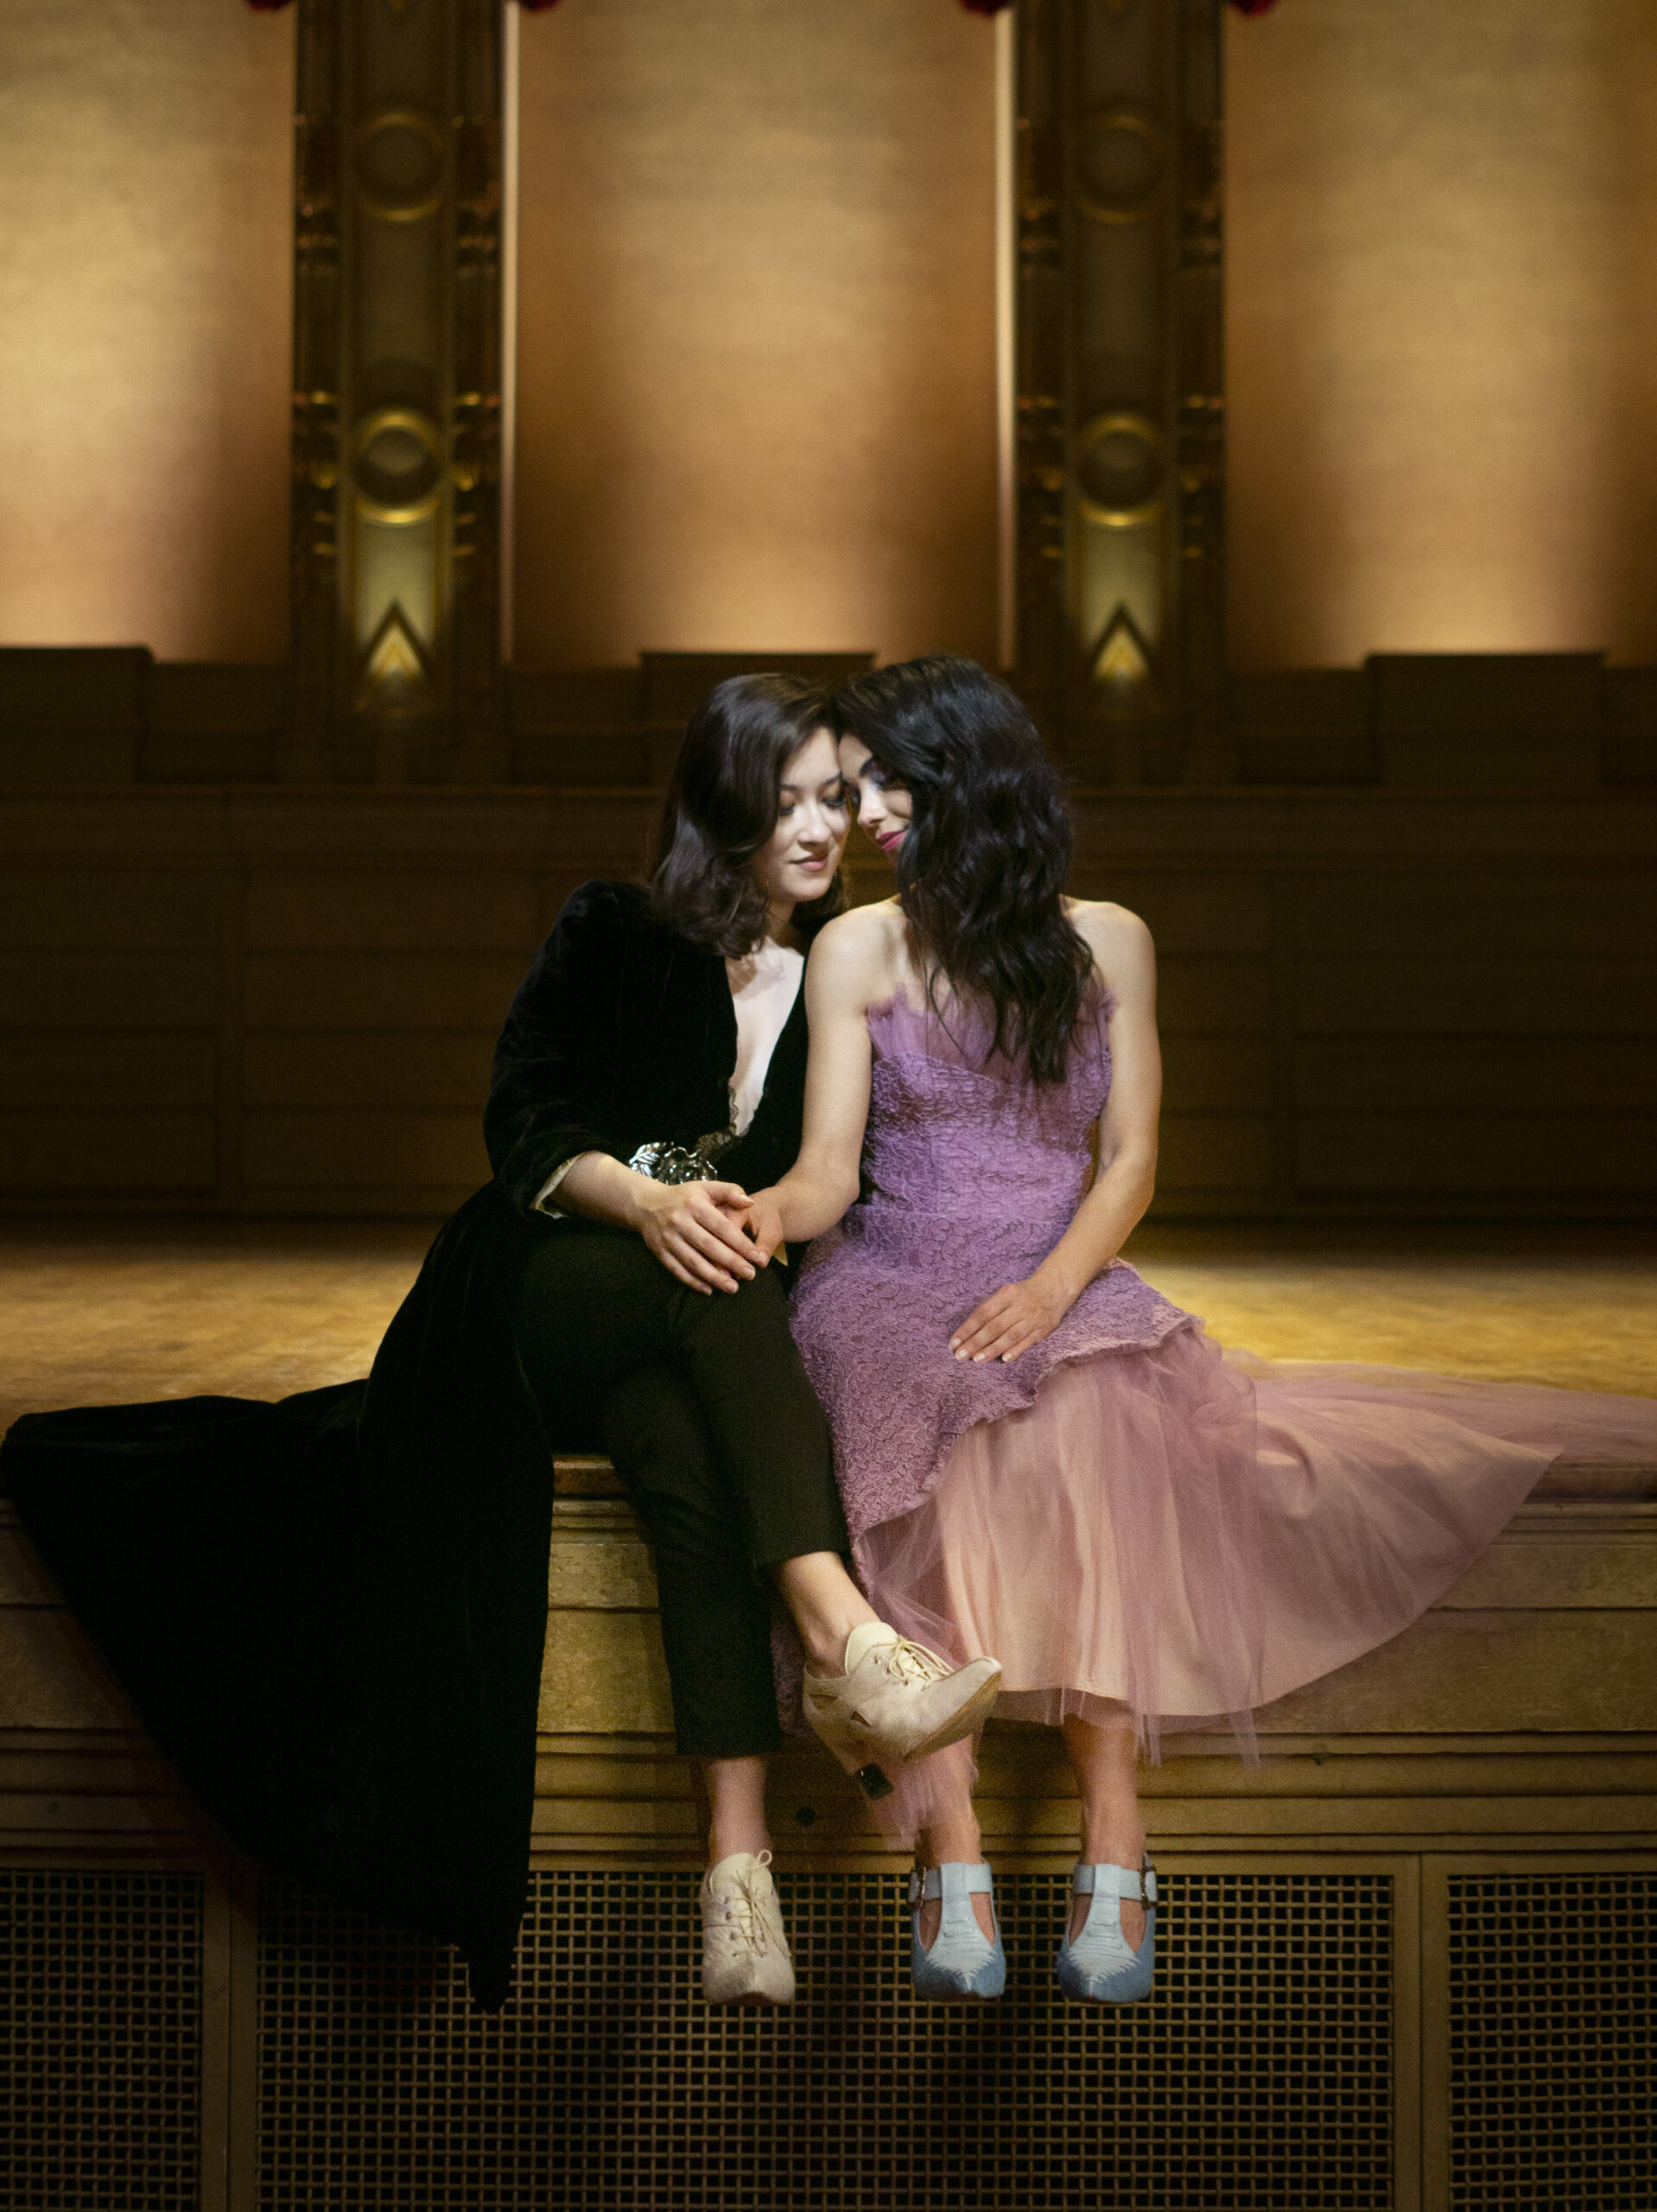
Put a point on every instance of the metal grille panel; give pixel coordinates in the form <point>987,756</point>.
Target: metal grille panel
<point>1259,2075</point>
<point>100,2041</point>
<point>1550,2100</point>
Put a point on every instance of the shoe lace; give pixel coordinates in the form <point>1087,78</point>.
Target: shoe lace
<point>740,1924</point>
<point>913,1662</point>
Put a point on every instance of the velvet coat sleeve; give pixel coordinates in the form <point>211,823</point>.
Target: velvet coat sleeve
<point>622,1033</point>
<point>549,1092</point>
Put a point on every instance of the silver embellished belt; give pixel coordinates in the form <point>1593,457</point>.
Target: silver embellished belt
<point>677,1163</point>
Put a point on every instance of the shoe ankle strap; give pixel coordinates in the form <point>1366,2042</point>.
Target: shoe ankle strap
<point>953,1879</point>
<point>1135,1882</point>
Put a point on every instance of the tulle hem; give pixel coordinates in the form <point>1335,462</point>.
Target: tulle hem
<point>1170,1539</point>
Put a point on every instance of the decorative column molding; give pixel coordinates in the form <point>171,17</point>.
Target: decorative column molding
<point>1120,394</point>
<point>396,659</point>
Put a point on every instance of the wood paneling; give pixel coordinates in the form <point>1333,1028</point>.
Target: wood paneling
<point>604,1672</point>
<point>1546,1647</point>
<point>1191,913</point>
<point>1458,1672</point>
<point>1216,1152</point>
<point>287,1000</point>
<point>439,909</point>
<point>109,1153</point>
<point>405,1068</point>
<point>1507,1076</point>
<point>66,1068</point>
<point>343,989</point>
<point>89,991</point>
<point>1546,1156</point>
<point>1217,1074</point>
<point>366,1152</point>
<point>1492,997</point>
<point>85,910</point>
<point>1514,915</point>
<point>1215,996</point>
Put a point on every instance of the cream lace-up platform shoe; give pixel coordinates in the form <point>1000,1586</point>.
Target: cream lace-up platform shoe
<point>896,1700</point>
<point>744,1951</point>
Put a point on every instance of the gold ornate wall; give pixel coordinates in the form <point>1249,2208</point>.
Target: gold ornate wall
<point>756,328</point>
<point>145,148</point>
<point>1442,368</point>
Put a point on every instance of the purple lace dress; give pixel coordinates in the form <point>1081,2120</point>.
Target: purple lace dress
<point>1126,1515</point>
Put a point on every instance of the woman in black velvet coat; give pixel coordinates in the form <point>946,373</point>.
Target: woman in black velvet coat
<point>331,1612</point>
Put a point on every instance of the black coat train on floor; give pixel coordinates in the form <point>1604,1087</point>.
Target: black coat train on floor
<point>330,1613</point>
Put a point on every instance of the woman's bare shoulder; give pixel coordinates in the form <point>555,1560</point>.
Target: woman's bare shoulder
<point>862,948</point>
<point>1114,931</point>
<point>1123,955</point>
<point>875,926</point>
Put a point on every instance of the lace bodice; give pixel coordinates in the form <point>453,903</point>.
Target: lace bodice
<point>972,1173</point>
<point>953,1135</point>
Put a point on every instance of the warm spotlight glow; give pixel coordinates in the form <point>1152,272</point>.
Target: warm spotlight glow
<point>757,338</point>
<point>1442,223</point>
<point>145,150</point>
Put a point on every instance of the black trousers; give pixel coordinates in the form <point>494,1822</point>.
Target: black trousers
<point>703,1406</point>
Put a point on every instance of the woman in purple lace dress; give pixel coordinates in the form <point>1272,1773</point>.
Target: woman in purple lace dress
<point>1040,1457</point>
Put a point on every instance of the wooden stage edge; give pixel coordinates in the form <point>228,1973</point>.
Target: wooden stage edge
<point>1519,1714</point>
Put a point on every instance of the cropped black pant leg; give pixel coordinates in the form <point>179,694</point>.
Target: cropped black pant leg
<point>706,1410</point>
<point>715,1612</point>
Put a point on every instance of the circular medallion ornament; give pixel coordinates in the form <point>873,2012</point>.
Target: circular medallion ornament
<point>397,465</point>
<point>399,159</point>
<point>1119,165</point>
<point>1120,468</point>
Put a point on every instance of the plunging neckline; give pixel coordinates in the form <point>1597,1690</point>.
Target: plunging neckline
<point>771,1003</point>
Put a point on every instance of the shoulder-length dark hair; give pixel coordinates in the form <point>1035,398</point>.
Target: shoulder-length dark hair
<point>722,808</point>
<point>980,875</point>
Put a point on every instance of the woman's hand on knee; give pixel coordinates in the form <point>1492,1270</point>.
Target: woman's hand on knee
<point>1012,1319</point>
<point>694,1229</point>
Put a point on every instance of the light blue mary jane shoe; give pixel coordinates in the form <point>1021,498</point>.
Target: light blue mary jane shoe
<point>1100,1966</point>
<point>963,1962</point>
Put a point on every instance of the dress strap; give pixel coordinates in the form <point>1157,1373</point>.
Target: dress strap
<point>954,1879</point>
<point>1116,1882</point>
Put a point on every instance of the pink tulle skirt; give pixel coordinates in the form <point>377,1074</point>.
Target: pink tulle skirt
<point>1183,1534</point>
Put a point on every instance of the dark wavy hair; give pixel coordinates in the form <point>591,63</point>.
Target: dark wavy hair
<point>722,808</point>
<point>980,875</point>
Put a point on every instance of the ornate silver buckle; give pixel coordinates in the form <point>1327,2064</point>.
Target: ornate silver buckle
<point>677,1163</point>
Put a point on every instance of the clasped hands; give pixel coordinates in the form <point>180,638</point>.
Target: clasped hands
<point>714,1237</point>
<point>703,1233</point>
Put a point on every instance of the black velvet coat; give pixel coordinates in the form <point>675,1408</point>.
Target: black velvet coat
<point>330,1612</point>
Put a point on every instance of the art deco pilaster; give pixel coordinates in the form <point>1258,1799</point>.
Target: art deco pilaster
<point>1120,388</point>
<point>396,393</point>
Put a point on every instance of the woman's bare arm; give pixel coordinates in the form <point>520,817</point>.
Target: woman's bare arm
<point>850,967</point>
<point>1021,1314</point>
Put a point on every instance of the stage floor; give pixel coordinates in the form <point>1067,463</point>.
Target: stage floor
<point>108,1313</point>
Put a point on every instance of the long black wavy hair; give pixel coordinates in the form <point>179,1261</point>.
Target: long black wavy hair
<point>980,875</point>
<point>722,808</point>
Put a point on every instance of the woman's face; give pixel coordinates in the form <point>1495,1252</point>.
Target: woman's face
<point>798,861</point>
<point>884,804</point>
